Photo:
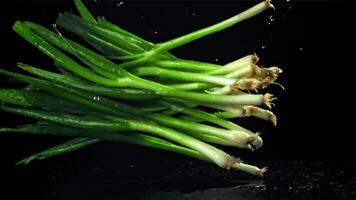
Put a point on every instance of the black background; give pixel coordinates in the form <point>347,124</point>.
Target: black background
<point>313,42</point>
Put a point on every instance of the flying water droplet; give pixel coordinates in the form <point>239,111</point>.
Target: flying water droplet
<point>193,14</point>
<point>271,18</point>
<point>263,46</point>
<point>120,3</point>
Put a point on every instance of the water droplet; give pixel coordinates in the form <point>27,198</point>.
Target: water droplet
<point>95,0</point>
<point>193,14</point>
<point>156,32</point>
<point>120,3</point>
<point>288,0</point>
<point>290,7</point>
<point>263,46</point>
<point>132,166</point>
<point>216,59</point>
<point>271,18</point>
<point>301,49</point>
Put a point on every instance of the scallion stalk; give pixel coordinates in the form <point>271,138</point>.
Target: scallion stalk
<point>132,91</point>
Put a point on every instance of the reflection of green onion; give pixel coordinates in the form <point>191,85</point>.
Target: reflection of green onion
<point>136,86</point>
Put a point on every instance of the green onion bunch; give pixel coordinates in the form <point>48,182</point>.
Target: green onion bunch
<point>127,89</point>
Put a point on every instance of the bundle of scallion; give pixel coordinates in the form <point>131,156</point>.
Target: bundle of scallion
<point>130,91</point>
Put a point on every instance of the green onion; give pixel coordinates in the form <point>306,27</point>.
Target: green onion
<point>84,12</point>
<point>130,90</point>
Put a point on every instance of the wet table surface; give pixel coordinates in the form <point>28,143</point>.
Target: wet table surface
<point>198,180</point>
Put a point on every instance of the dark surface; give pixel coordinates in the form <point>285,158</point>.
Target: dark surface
<point>311,41</point>
<point>188,180</point>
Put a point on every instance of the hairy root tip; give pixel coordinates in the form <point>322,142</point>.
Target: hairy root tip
<point>280,85</point>
<point>234,87</point>
<point>269,4</point>
<point>261,171</point>
<point>265,83</point>
<point>268,100</point>
<point>255,70</point>
<point>273,119</point>
<point>250,85</point>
